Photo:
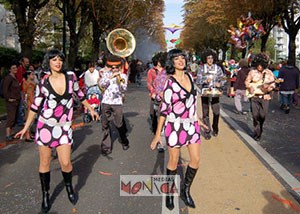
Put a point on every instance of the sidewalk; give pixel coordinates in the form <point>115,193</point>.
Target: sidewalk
<point>231,179</point>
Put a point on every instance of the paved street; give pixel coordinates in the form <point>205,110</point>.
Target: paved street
<point>231,177</point>
<point>281,136</point>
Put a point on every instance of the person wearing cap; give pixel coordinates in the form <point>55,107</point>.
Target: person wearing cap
<point>114,83</point>
<point>260,101</point>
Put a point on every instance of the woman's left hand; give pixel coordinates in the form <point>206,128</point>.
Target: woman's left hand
<point>95,115</point>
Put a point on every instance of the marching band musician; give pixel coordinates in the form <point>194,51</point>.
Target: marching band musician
<point>260,102</point>
<point>210,76</point>
<point>114,83</point>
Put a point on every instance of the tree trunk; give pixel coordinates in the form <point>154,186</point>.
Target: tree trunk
<point>96,41</point>
<point>233,53</point>
<point>25,13</point>
<point>292,47</point>
<point>264,40</point>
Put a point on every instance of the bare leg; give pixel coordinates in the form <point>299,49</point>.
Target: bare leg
<point>45,158</point>
<point>64,157</point>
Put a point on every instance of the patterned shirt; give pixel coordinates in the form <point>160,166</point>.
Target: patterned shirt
<point>213,72</point>
<point>159,84</point>
<point>255,76</point>
<point>113,94</point>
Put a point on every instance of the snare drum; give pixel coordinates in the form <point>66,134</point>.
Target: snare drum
<point>211,92</point>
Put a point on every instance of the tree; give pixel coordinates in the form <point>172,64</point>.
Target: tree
<point>25,13</point>
<point>290,21</point>
<point>135,15</point>
<point>77,15</point>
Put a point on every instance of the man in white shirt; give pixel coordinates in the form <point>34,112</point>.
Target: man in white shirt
<point>114,83</point>
<point>91,76</point>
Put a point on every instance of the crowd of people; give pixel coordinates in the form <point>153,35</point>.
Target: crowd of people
<point>175,81</point>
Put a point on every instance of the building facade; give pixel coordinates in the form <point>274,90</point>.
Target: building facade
<point>8,30</point>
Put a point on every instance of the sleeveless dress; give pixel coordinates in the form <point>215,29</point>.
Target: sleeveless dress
<point>179,108</point>
<point>55,112</point>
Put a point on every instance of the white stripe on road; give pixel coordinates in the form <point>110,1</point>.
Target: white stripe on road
<point>274,164</point>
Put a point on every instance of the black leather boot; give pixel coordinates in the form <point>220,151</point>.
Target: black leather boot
<point>45,183</point>
<point>170,198</point>
<point>185,192</point>
<point>68,182</point>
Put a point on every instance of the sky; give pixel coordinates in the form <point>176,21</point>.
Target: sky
<point>173,15</point>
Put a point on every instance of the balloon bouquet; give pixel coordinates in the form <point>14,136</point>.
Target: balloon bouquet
<point>248,31</point>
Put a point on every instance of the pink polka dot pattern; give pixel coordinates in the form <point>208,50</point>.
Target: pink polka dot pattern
<point>181,103</point>
<point>45,135</point>
<point>56,109</point>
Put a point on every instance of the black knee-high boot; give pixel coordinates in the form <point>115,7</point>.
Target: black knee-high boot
<point>170,198</point>
<point>45,183</point>
<point>68,182</point>
<point>185,192</point>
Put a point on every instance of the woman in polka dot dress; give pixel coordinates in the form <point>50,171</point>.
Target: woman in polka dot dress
<point>54,103</point>
<point>182,125</point>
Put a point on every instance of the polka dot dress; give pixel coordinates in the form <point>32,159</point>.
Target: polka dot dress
<point>178,103</point>
<point>55,117</point>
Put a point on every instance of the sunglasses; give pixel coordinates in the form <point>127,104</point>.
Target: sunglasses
<point>113,66</point>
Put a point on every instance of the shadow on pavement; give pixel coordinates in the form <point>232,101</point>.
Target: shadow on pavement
<point>83,165</point>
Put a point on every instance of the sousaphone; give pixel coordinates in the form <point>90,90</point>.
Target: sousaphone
<point>120,42</point>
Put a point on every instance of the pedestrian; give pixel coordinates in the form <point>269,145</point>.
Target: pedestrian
<point>91,78</point>
<point>239,86</point>
<point>114,83</point>
<point>178,116</point>
<point>260,82</point>
<point>158,61</point>
<point>139,71</point>
<point>22,68</point>
<point>210,76</point>
<point>28,90</point>
<point>12,96</point>
<point>290,75</point>
<point>54,104</point>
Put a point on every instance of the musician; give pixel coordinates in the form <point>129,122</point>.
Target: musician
<point>260,101</point>
<point>210,75</point>
<point>115,84</point>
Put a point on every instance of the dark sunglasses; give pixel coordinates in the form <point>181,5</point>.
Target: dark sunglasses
<point>113,66</point>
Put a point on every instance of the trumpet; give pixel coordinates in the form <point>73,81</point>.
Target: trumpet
<point>118,78</point>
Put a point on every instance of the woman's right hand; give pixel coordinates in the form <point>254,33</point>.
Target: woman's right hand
<point>155,141</point>
<point>21,133</point>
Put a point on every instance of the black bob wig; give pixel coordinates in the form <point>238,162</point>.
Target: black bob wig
<point>50,55</point>
<point>170,63</point>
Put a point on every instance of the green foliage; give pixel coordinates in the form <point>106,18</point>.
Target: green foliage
<point>37,56</point>
<point>7,55</point>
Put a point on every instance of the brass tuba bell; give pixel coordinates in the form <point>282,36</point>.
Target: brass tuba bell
<point>120,42</point>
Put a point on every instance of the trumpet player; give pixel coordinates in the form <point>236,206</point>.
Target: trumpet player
<point>114,83</point>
